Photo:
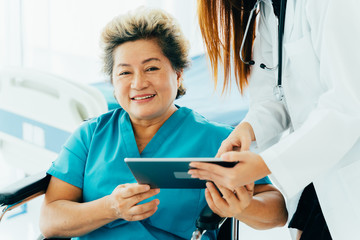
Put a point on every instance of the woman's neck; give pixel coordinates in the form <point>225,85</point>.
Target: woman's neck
<point>144,134</point>
<point>145,130</point>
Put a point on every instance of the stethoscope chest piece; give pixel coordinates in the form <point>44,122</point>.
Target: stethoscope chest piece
<point>278,92</point>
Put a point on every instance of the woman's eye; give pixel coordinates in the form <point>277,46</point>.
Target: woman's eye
<point>124,73</point>
<point>150,69</point>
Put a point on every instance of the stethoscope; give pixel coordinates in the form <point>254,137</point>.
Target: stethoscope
<point>278,89</point>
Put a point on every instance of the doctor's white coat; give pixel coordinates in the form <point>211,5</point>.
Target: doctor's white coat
<point>321,81</point>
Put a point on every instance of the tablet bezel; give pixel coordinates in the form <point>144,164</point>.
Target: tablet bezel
<point>169,172</point>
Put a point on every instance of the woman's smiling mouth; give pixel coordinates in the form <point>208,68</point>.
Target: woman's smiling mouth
<point>142,97</point>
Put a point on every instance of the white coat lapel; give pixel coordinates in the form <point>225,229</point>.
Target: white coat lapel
<point>289,19</point>
<point>272,23</point>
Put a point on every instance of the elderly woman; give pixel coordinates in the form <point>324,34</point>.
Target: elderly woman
<point>93,195</point>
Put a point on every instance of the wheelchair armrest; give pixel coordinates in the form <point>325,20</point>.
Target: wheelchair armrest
<point>208,220</point>
<point>24,189</point>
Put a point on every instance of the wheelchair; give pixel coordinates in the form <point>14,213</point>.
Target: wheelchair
<point>34,186</point>
<point>81,102</point>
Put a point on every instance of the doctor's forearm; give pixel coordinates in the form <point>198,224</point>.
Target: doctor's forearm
<point>64,218</point>
<point>267,210</point>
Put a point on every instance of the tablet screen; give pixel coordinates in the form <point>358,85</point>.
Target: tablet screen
<point>169,172</point>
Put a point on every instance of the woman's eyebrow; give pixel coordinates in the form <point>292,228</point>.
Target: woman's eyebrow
<point>143,62</point>
<point>123,65</point>
<point>150,59</point>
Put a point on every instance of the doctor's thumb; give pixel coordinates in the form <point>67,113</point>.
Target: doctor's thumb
<point>226,146</point>
<point>231,156</point>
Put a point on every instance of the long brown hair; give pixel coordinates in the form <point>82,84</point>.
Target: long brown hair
<point>222,24</point>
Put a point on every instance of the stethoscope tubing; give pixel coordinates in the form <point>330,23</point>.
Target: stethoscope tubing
<point>278,89</point>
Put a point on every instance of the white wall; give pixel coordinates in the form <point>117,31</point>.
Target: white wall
<point>62,36</point>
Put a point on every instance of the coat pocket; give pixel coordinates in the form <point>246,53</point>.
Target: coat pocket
<point>301,78</point>
<point>301,59</point>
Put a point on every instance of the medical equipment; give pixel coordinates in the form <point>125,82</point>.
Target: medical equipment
<point>278,89</point>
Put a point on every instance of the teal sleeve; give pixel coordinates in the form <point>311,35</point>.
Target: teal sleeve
<point>70,164</point>
<point>264,180</point>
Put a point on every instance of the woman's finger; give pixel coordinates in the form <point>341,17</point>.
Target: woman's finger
<point>219,201</point>
<point>129,190</point>
<point>250,187</point>
<point>227,193</point>
<point>228,204</point>
<point>142,196</point>
<point>144,208</point>
<point>241,192</point>
<point>211,203</point>
<point>143,216</point>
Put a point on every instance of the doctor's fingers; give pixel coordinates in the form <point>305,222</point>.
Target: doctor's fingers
<point>226,146</point>
<point>245,143</point>
<point>210,174</point>
<point>240,139</point>
<point>218,179</point>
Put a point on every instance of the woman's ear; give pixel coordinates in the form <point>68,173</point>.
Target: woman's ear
<point>115,96</point>
<point>179,79</point>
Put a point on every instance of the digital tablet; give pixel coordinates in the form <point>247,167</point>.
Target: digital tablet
<point>169,172</point>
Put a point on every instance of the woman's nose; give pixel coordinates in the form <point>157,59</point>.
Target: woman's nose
<point>139,82</point>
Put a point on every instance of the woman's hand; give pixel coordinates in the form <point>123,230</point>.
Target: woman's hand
<point>250,167</point>
<point>240,139</point>
<point>231,203</point>
<point>124,201</point>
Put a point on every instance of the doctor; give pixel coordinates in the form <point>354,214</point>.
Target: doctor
<point>320,107</point>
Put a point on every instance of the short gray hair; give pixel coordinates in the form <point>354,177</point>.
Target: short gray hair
<point>145,23</point>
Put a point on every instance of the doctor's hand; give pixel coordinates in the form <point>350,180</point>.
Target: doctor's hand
<point>231,203</point>
<point>124,202</point>
<point>239,140</point>
<point>250,167</point>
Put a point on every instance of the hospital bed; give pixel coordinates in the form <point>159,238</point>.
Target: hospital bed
<point>38,112</point>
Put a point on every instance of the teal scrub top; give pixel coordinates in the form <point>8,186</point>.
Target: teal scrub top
<point>93,160</point>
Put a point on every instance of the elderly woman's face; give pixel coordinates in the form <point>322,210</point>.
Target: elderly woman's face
<point>145,82</point>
